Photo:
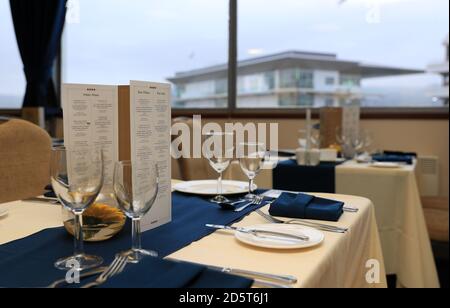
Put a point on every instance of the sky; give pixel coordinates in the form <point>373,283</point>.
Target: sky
<point>113,41</point>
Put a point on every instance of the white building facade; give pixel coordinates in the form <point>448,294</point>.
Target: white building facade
<point>286,80</point>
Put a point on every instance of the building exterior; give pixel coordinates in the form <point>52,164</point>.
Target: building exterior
<point>288,79</point>
<point>443,70</point>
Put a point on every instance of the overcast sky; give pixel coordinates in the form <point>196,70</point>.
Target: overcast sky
<point>113,41</point>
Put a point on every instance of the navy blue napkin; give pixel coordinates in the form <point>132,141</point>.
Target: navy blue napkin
<point>304,206</point>
<point>413,154</point>
<point>393,158</point>
<point>158,273</point>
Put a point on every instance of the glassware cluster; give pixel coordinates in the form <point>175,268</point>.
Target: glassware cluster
<point>77,178</point>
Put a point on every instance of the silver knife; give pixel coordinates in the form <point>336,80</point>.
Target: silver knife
<point>277,278</point>
<point>285,279</point>
<point>260,232</point>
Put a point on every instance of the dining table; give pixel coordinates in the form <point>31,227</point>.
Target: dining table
<point>342,260</point>
<point>394,192</point>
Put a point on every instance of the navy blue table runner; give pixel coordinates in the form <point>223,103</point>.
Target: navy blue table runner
<point>288,175</point>
<point>29,262</point>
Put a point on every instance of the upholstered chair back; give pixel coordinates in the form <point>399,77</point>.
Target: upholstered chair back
<point>25,151</point>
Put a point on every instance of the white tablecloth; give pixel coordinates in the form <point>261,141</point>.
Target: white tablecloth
<point>394,192</point>
<point>339,262</point>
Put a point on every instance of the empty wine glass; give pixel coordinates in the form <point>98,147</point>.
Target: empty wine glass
<point>77,178</point>
<point>350,144</point>
<point>136,188</point>
<point>218,148</point>
<point>251,158</point>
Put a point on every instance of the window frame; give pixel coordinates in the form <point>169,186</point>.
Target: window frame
<point>232,111</point>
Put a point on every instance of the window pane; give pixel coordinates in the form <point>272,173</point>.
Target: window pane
<point>331,52</point>
<point>12,79</point>
<point>181,41</point>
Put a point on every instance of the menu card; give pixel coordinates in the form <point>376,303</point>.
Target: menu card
<point>330,121</point>
<point>150,145</point>
<point>128,123</point>
<point>350,121</point>
<point>91,121</point>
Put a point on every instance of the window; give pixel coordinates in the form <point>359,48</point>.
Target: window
<point>350,80</point>
<point>184,42</point>
<point>256,83</point>
<point>331,51</point>
<point>12,79</point>
<point>330,81</point>
<point>292,100</point>
<point>296,78</point>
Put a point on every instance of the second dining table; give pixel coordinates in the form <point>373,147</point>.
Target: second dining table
<point>397,205</point>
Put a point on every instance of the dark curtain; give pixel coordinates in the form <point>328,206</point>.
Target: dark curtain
<point>38,25</point>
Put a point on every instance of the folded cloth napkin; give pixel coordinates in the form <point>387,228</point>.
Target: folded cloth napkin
<point>159,273</point>
<point>413,154</point>
<point>393,158</point>
<point>304,206</point>
<point>49,193</point>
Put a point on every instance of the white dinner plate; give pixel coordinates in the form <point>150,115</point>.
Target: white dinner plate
<point>386,165</point>
<point>315,237</point>
<point>209,187</point>
<point>3,211</point>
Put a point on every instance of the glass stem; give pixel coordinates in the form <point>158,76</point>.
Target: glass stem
<point>250,187</point>
<point>78,234</point>
<point>136,235</point>
<point>219,184</point>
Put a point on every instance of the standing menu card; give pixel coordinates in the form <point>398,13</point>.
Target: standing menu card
<point>150,144</point>
<point>91,120</point>
<point>129,123</point>
<point>350,121</point>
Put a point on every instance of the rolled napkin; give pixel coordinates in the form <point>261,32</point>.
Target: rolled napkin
<point>393,158</point>
<point>158,273</point>
<point>304,206</point>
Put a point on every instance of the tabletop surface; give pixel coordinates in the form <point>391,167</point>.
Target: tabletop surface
<point>314,267</point>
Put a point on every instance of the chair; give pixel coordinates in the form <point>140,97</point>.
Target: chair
<point>191,168</point>
<point>436,216</point>
<point>24,160</point>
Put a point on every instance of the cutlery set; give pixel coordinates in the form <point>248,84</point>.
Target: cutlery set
<point>319,226</point>
<point>261,280</point>
<point>262,233</point>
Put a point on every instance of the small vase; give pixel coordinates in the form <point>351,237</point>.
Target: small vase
<point>101,221</point>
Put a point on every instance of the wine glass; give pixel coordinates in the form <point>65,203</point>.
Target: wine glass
<point>302,138</point>
<point>251,158</point>
<point>349,144</point>
<point>136,188</point>
<point>218,148</point>
<point>77,178</point>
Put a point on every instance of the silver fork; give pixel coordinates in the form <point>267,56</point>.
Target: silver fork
<point>63,281</point>
<point>257,201</point>
<point>116,267</point>
<point>319,226</point>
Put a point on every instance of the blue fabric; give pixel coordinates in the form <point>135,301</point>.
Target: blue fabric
<point>306,207</point>
<point>38,26</point>
<point>413,154</point>
<point>393,158</point>
<point>288,175</point>
<point>157,273</point>
<point>29,262</point>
